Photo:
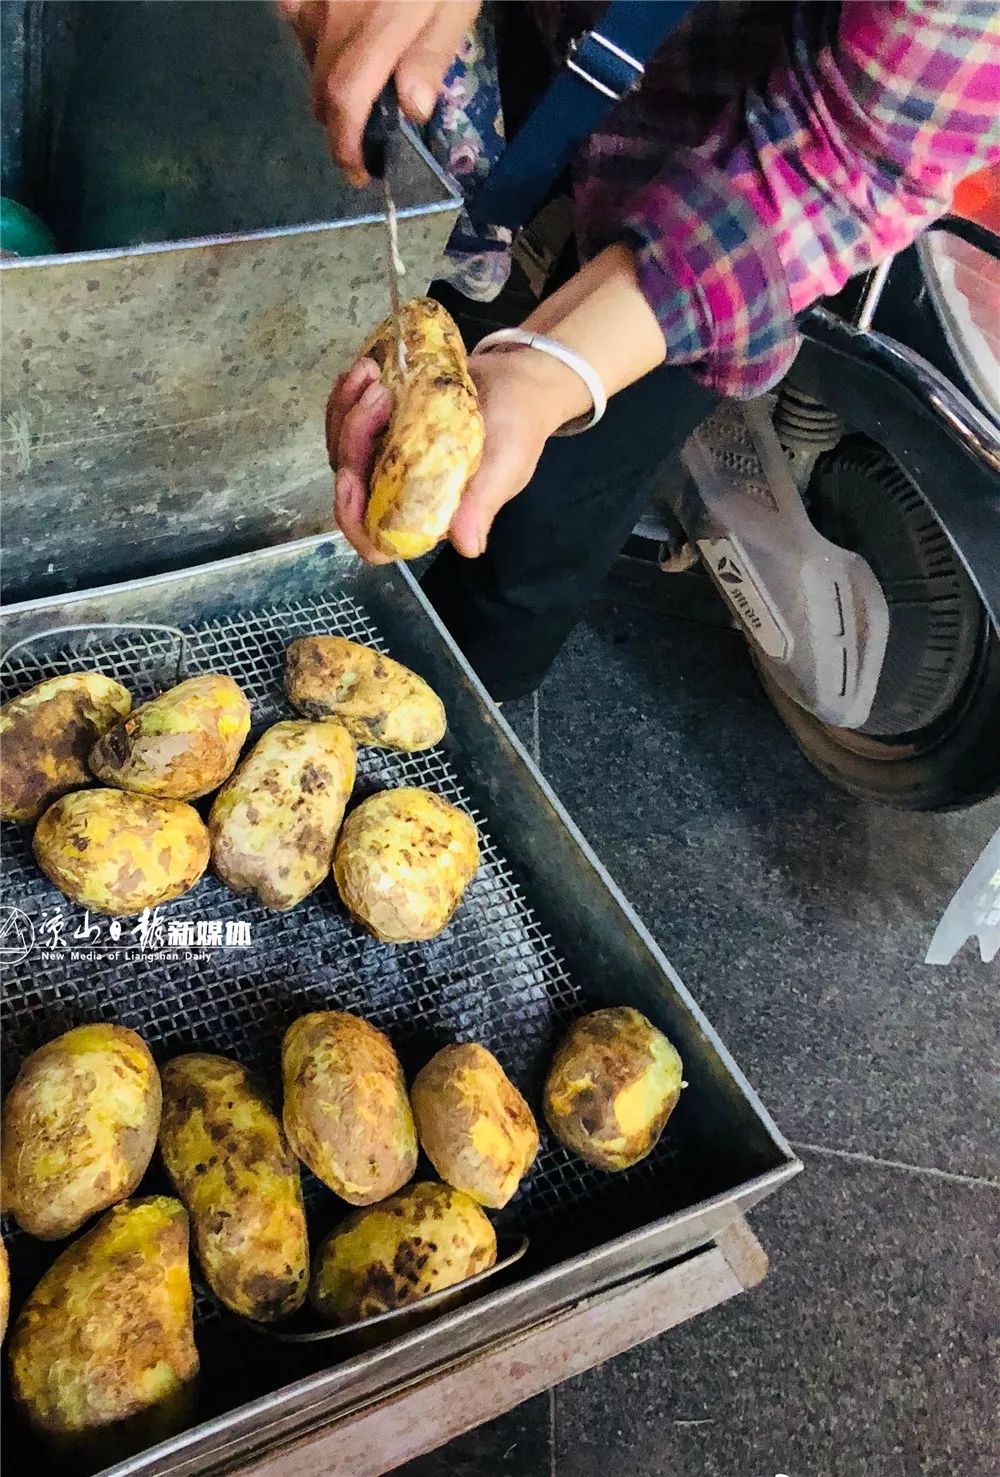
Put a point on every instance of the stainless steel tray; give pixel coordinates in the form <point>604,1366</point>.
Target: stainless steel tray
<point>542,935</point>
<point>167,373</point>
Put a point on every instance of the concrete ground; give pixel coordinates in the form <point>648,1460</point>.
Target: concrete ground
<point>798,918</point>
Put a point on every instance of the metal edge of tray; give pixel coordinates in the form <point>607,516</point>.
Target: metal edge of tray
<point>299,1409</point>
<point>451,201</point>
<point>177,389</point>
<point>302,1405</point>
<point>374,1437</point>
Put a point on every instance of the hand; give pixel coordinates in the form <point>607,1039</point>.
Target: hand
<point>523,397</point>
<point>353,47</point>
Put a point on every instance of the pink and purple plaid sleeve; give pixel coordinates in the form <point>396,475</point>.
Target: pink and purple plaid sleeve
<point>852,147</point>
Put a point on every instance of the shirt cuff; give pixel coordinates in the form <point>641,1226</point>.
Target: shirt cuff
<point>709,269</point>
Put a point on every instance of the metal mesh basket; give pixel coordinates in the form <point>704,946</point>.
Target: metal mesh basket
<point>493,976</point>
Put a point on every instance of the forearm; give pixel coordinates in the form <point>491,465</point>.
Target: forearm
<point>601,312</point>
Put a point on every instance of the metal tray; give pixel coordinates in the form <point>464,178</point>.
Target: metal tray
<point>542,935</point>
<point>167,372</point>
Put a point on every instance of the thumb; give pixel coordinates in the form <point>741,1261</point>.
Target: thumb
<point>504,471</point>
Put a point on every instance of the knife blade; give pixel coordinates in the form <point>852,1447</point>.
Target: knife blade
<point>380,148</point>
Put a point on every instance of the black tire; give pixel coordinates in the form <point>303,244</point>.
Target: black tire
<point>933,739</point>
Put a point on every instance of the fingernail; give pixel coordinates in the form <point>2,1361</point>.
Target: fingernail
<point>376,397</point>
<point>422,99</point>
<point>342,489</point>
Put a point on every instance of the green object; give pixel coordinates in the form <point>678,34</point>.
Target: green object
<point>22,233</point>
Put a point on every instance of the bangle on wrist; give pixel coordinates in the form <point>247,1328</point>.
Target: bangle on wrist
<point>522,338</point>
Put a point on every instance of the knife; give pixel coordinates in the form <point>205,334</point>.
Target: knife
<point>380,150</point>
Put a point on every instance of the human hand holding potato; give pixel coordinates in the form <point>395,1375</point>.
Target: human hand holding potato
<point>429,447</point>
<point>525,396</point>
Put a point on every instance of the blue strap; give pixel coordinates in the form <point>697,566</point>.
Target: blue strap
<point>600,68</point>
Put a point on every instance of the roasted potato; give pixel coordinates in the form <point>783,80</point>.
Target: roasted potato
<point>403,860</point>
<point>181,745</point>
<point>4,1290</point>
<point>423,1240</point>
<point>105,1342</point>
<point>79,1128</point>
<point>434,440</point>
<point>614,1081</point>
<point>46,735</point>
<point>275,821</point>
<point>230,1163</point>
<point>473,1124</point>
<point>119,853</point>
<point>347,1115</point>
<point>379,701</point>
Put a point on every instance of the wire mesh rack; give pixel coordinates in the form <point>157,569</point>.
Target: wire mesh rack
<point>493,976</point>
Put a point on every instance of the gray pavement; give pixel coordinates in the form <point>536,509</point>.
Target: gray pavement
<point>798,918</point>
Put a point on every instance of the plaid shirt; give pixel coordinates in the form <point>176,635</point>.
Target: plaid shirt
<point>772,152</point>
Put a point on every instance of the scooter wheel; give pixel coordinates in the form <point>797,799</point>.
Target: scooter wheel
<point>932,741</point>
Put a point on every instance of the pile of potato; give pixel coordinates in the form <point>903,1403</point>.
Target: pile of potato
<point>402,861</point>
<point>104,1346</point>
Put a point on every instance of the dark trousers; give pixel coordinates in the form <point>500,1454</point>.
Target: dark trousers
<point>511,610</point>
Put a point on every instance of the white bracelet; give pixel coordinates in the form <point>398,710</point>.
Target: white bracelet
<point>569,357</point>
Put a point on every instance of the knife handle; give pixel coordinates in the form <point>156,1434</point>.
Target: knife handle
<point>382,121</point>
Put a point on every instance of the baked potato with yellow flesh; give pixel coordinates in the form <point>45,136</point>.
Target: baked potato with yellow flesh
<point>402,863</point>
<point>614,1081</point>
<point>227,1156</point>
<point>179,746</point>
<point>434,440</point>
<point>275,821</point>
<point>79,1128</point>
<point>380,702</point>
<point>105,1343</point>
<point>423,1240</point>
<point>46,736</point>
<point>118,853</point>
<point>346,1114</point>
<point>473,1124</point>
